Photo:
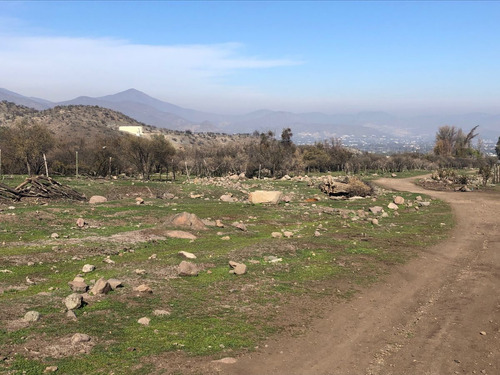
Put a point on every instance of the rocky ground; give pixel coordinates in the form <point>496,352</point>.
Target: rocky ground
<point>438,314</point>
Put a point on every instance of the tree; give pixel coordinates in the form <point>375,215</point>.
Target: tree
<point>163,151</point>
<point>30,141</point>
<point>452,141</point>
<point>497,148</point>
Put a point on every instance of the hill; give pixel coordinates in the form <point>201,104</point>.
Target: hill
<point>93,122</point>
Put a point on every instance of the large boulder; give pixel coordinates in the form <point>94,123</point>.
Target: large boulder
<point>262,196</point>
<point>186,220</point>
<point>187,269</point>
<point>97,199</point>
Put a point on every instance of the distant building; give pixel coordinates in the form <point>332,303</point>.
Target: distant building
<point>136,130</point>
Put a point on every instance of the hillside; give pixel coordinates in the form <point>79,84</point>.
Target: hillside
<point>93,122</point>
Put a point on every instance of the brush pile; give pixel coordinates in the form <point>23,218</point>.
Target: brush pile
<point>40,187</point>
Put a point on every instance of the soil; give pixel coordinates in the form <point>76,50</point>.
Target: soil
<point>438,314</point>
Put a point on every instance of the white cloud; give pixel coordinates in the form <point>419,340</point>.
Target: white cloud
<point>60,68</point>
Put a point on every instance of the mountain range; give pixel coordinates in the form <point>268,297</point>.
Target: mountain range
<point>312,126</point>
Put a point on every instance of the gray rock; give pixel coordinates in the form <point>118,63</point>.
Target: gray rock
<point>376,210</point>
<point>187,269</point>
<point>240,226</point>
<point>186,255</point>
<point>78,285</point>
<point>32,316</point>
<point>88,268</point>
<point>424,204</point>
<point>97,199</point>
<point>228,198</point>
<point>144,321</point>
<point>399,200</point>
<point>101,287</point>
<point>115,283</point>
<point>79,338</point>
<point>392,206</point>
<point>276,234</point>
<point>143,288</point>
<point>238,268</point>
<point>73,301</point>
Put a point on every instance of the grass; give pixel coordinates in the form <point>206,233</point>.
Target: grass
<point>215,314</point>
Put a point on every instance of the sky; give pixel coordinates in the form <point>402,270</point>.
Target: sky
<point>413,57</point>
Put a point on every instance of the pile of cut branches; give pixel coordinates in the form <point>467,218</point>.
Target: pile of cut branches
<point>40,187</point>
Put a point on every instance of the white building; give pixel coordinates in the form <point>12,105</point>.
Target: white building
<point>136,130</point>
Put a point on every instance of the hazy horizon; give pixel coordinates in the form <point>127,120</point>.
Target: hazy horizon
<point>232,57</point>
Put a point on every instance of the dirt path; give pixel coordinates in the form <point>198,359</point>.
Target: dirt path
<point>437,315</point>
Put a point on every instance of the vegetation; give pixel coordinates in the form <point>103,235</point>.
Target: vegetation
<point>215,314</point>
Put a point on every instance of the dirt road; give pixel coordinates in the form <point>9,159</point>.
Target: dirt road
<point>437,315</point>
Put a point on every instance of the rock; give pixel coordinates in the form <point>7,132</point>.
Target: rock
<point>180,234</point>
<point>88,268</point>
<point>482,333</point>
<point>115,283</point>
<point>187,269</point>
<point>240,226</point>
<point>54,236</point>
<point>385,214</point>
<point>50,369</point>
<point>32,316</point>
<point>168,196</point>
<point>376,210</point>
<point>225,238</point>
<point>375,221</point>
<point>394,175</point>
<point>392,206</point>
<point>424,204</point>
<point>185,219</point>
<point>78,285</point>
<point>219,224</point>
<point>161,313</point>
<point>108,260</point>
<point>80,223</point>
<point>286,199</point>
<point>242,176</point>
<point>144,321</point>
<point>234,177</point>
<point>140,272</point>
<point>186,255</point>
<point>73,301</point>
<point>79,338</point>
<point>418,198</point>
<point>261,196</point>
<point>228,198</point>
<point>139,200</point>
<point>153,256</point>
<point>272,259</point>
<point>101,287</point>
<point>227,360</point>
<point>288,234</point>
<point>71,315</point>
<point>399,200</point>
<point>317,233</point>
<point>276,235</point>
<point>97,199</point>
<point>143,288</point>
<point>238,268</point>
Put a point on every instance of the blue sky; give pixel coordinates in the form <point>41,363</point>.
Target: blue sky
<point>233,57</point>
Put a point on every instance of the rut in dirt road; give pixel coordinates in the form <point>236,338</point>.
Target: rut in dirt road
<point>438,314</point>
